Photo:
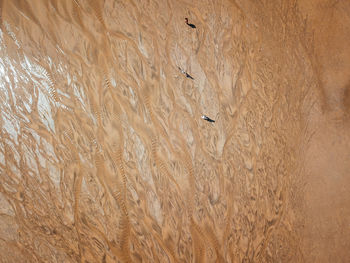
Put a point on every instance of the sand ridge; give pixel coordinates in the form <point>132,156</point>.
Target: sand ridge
<point>104,156</point>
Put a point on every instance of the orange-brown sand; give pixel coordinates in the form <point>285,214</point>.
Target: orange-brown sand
<point>104,156</point>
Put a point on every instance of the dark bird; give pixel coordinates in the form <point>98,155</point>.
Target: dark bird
<point>207,118</point>
<point>189,76</point>
<point>185,73</point>
<point>191,25</point>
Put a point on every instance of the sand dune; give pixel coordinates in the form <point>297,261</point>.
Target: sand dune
<point>104,156</point>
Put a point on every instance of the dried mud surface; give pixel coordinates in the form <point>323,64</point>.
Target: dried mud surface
<point>104,156</point>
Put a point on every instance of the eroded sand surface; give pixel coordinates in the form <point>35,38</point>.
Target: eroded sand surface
<point>104,156</point>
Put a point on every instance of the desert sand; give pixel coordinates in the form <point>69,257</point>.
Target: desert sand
<point>104,156</point>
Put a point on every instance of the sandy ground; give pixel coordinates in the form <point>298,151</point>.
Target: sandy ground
<point>104,156</point>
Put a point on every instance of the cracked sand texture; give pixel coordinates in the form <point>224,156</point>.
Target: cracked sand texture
<point>104,156</point>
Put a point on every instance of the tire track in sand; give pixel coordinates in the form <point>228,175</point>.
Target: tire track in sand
<point>95,5</point>
<point>161,165</point>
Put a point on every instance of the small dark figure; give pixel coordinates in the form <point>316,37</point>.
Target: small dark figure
<point>191,25</point>
<point>189,76</point>
<point>207,118</point>
<point>185,73</point>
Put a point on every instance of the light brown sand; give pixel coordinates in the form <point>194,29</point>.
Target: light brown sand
<point>104,156</point>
